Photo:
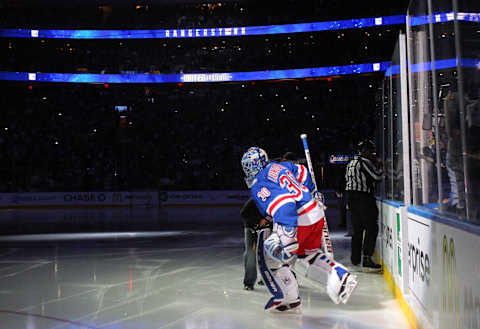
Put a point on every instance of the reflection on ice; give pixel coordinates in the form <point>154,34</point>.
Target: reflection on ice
<point>176,278</point>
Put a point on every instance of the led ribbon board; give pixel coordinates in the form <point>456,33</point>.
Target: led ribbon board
<point>443,17</point>
<point>440,64</point>
<point>196,77</point>
<point>235,76</point>
<point>205,32</point>
<point>237,31</point>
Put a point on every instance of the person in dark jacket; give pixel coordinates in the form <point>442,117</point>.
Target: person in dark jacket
<point>252,220</point>
<point>361,175</point>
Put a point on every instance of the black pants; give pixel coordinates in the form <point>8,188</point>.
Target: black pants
<point>343,211</point>
<point>250,257</point>
<point>251,218</point>
<point>364,215</point>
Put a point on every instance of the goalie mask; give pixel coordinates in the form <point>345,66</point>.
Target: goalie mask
<point>253,161</point>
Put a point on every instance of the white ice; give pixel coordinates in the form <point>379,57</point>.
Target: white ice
<point>177,277</point>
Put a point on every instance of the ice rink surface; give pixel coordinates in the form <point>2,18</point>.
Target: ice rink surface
<point>181,275</point>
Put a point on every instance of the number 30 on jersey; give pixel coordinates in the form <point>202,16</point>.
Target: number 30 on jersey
<point>292,186</point>
<point>263,194</point>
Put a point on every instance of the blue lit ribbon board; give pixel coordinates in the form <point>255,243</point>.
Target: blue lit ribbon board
<point>196,77</point>
<point>205,32</point>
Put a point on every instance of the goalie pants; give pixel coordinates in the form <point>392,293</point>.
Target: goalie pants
<point>364,214</point>
<point>309,238</point>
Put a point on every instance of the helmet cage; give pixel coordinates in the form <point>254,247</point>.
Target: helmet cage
<point>253,161</point>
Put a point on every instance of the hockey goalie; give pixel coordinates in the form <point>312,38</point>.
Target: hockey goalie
<point>283,192</point>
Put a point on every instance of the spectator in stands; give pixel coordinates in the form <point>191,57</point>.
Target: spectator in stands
<point>71,136</point>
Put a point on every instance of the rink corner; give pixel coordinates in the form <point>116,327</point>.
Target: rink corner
<point>407,311</point>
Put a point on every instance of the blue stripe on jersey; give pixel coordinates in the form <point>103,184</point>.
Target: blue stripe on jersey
<point>285,213</point>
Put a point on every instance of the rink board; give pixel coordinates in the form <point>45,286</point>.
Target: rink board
<point>78,199</point>
<point>434,265</point>
<point>134,198</point>
<point>220,198</point>
<point>392,234</point>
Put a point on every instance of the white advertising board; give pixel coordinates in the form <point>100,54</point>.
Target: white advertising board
<point>52,199</point>
<point>231,197</point>
<point>221,198</point>
<point>166,198</point>
<point>387,229</point>
<point>456,293</point>
<point>420,259</point>
<point>400,251</point>
<point>390,247</point>
<point>444,273</point>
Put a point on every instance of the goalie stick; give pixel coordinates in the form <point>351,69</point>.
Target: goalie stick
<point>326,242</point>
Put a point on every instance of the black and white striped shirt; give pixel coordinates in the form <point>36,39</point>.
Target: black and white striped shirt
<point>361,174</point>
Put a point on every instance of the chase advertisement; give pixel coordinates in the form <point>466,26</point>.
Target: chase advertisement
<point>47,199</point>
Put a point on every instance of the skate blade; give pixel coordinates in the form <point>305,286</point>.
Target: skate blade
<point>350,285</point>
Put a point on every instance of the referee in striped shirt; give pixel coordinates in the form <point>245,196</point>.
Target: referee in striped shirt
<point>361,176</point>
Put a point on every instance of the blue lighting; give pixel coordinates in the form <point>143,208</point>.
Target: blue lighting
<point>444,17</point>
<point>315,72</point>
<point>204,32</point>
<point>196,77</point>
<point>441,64</point>
<point>237,31</point>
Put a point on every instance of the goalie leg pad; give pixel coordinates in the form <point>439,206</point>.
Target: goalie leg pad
<point>336,278</point>
<point>265,271</point>
<point>289,286</point>
<point>280,282</point>
<point>316,267</point>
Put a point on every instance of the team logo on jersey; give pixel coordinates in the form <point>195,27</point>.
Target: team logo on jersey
<point>263,194</point>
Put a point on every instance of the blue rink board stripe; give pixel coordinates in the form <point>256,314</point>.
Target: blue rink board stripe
<point>396,204</point>
<point>434,215</point>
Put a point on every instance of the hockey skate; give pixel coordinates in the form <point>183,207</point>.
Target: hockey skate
<point>349,284</point>
<point>278,279</point>
<point>275,305</point>
<point>248,287</point>
<point>341,284</point>
<point>369,266</point>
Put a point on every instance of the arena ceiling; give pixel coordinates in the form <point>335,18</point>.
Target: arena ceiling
<point>20,3</point>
